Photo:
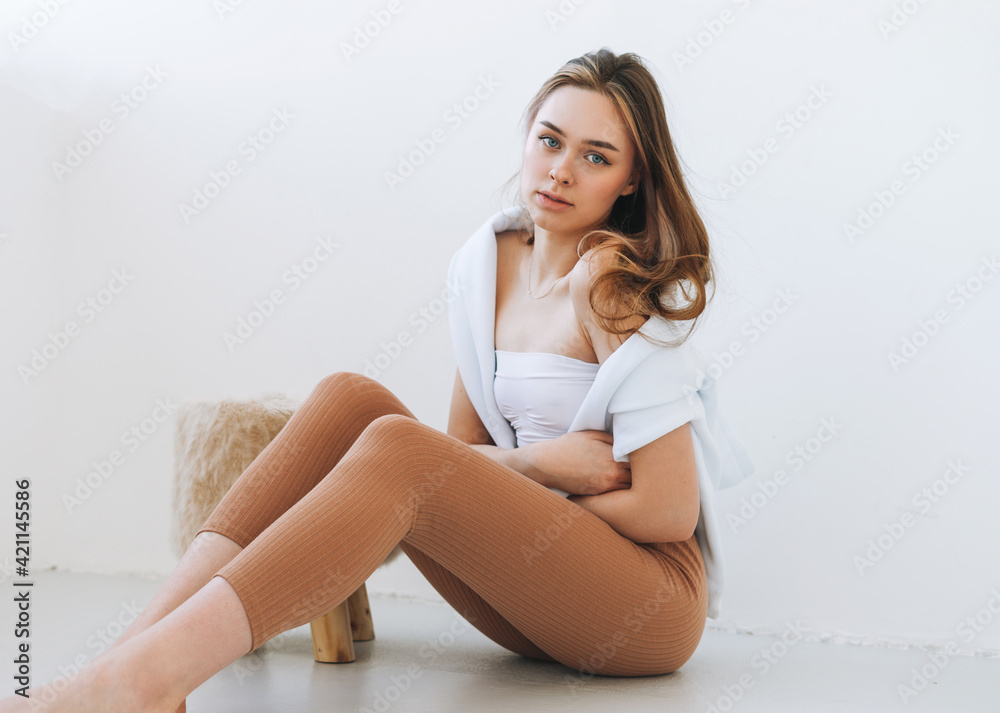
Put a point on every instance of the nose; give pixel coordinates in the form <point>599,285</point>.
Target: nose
<point>560,170</point>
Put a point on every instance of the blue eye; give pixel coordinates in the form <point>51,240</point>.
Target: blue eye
<point>546,138</point>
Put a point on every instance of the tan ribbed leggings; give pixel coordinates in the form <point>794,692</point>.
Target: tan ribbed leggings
<point>353,473</point>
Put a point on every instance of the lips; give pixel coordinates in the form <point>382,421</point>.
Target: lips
<point>555,197</point>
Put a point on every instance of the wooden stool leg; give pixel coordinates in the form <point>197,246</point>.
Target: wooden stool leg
<point>331,636</point>
<point>362,628</point>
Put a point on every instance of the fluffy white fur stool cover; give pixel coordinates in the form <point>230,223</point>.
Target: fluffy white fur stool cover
<point>214,442</point>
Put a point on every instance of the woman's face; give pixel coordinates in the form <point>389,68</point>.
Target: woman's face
<point>578,150</point>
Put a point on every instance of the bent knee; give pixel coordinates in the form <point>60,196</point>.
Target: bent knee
<point>395,426</point>
<point>345,378</point>
<point>431,456</point>
<point>349,385</point>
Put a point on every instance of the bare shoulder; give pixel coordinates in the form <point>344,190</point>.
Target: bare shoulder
<point>580,279</point>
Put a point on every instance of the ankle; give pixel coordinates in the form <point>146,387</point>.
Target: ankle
<point>124,679</point>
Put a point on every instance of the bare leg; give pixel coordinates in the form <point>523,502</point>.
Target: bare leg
<point>207,553</point>
<point>192,643</point>
<point>337,411</point>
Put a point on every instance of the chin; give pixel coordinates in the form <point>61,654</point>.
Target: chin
<point>555,223</point>
<point>543,220</point>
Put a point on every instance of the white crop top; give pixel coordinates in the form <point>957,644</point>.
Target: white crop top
<point>540,393</point>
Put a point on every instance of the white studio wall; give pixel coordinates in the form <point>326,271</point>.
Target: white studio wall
<point>218,199</point>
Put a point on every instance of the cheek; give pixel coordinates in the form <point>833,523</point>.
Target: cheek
<point>613,186</point>
<point>532,160</point>
<point>603,189</point>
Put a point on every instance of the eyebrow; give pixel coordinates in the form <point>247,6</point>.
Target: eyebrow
<point>592,142</point>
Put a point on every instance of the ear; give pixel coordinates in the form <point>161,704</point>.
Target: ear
<point>633,184</point>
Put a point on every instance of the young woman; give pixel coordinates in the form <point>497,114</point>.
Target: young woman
<point>567,513</point>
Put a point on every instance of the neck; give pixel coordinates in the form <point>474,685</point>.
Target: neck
<point>554,255</point>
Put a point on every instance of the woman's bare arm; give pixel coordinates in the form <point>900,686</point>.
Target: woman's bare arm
<point>465,425</point>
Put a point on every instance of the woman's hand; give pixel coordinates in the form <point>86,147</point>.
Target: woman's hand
<point>579,462</point>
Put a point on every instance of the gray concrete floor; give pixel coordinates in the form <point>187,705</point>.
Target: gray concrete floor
<point>426,658</point>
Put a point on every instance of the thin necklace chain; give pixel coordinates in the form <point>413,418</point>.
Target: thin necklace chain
<point>530,261</point>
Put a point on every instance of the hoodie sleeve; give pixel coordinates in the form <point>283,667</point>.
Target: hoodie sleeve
<point>668,388</point>
<point>659,395</point>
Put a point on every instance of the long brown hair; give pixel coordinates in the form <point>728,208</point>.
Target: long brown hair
<point>658,261</point>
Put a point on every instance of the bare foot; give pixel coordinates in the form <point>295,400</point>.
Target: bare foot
<point>96,689</point>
